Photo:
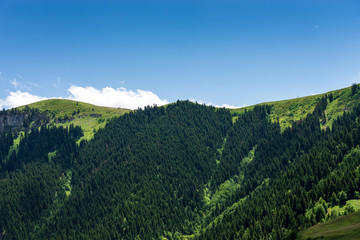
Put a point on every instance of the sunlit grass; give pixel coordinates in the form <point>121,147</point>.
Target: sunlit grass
<point>88,116</point>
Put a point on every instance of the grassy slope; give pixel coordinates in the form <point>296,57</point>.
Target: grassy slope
<point>60,108</point>
<point>288,111</point>
<point>341,228</point>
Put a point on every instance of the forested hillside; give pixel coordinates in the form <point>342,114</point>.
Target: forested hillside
<point>185,171</point>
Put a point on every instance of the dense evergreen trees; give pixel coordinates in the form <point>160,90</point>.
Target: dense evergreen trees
<point>24,197</point>
<point>153,173</point>
<point>29,182</point>
<point>302,165</point>
<point>36,146</point>
<point>144,174</point>
<point>6,141</point>
<point>250,129</point>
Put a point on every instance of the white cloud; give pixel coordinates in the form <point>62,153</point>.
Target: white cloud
<point>228,106</point>
<point>19,98</point>
<point>21,85</point>
<point>119,97</point>
<point>211,104</point>
<point>14,83</point>
<point>108,97</point>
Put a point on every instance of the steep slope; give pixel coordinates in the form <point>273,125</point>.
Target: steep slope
<point>280,189</point>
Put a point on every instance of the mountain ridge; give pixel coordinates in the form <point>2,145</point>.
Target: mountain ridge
<point>286,111</point>
<point>181,171</point>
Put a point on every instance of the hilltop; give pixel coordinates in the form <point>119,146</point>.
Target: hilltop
<point>89,117</point>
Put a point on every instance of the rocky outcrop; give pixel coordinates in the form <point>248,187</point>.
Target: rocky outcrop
<point>16,120</point>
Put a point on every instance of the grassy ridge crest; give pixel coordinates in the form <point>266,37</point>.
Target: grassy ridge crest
<point>65,112</point>
<point>289,111</point>
<point>91,117</point>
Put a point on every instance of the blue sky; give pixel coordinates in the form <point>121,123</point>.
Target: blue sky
<point>133,53</point>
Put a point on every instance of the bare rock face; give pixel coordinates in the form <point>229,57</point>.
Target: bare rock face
<point>10,120</point>
<point>15,120</point>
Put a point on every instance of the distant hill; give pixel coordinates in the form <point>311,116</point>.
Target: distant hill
<point>65,112</point>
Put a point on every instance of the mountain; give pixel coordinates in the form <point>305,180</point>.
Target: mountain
<point>181,171</point>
